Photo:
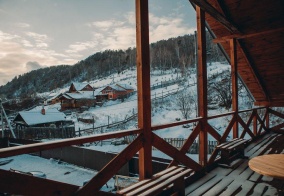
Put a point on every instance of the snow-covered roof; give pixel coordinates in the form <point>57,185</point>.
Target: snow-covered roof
<point>98,91</point>
<point>79,95</point>
<point>80,85</point>
<point>117,88</point>
<point>125,86</point>
<point>53,96</point>
<point>36,117</point>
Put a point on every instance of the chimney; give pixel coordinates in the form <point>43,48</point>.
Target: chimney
<point>43,110</point>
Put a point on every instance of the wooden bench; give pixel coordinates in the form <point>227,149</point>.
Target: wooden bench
<point>231,150</point>
<point>172,177</point>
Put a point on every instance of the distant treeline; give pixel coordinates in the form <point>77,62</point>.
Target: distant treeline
<point>175,53</point>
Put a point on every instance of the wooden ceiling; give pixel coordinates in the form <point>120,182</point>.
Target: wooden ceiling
<point>258,27</point>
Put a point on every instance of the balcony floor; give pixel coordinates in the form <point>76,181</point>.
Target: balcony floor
<point>242,180</point>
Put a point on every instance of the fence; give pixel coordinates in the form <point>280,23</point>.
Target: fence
<point>44,133</point>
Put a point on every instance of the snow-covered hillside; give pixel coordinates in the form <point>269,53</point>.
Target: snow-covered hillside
<point>164,102</point>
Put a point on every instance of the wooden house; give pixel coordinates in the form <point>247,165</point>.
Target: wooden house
<point>77,100</point>
<point>250,34</point>
<point>117,91</point>
<point>39,118</point>
<point>78,86</point>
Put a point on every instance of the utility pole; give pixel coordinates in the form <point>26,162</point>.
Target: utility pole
<point>3,112</point>
<point>2,123</point>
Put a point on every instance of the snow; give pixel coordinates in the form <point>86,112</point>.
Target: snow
<point>54,169</point>
<point>164,111</point>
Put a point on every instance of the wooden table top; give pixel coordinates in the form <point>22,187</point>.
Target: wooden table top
<point>269,165</point>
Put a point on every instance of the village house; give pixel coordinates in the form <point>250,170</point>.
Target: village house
<point>118,91</point>
<point>77,100</point>
<point>80,86</point>
<point>79,95</point>
<point>39,118</point>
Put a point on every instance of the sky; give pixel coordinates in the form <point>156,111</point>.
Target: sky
<point>40,33</point>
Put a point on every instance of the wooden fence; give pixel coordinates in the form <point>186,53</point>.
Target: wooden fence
<point>44,133</point>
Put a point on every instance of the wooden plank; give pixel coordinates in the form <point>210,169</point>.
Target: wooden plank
<point>260,148</point>
<point>153,183</point>
<point>228,143</point>
<point>166,182</point>
<point>259,189</point>
<point>218,188</point>
<point>246,187</point>
<point>111,168</point>
<point>207,186</point>
<point>141,183</point>
<point>232,188</point>
<point>202,84</point>
<point>171,151</point>
<point>240,142</point>
<point>194,186</point>
<point>21,184</point>
<point>143,86</point>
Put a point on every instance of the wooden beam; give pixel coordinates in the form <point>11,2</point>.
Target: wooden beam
<point>22,184</point>
<point>188,143</point>
<point>234,77</point>
<point>249,35</point>
<point>269,104</point>
<point>246,128</point>
<point>171,151</point>
<point>202,84</point>
<point>280,115</point>
<point>143,87</point>
<point>213,132</point>
<point>111,168</point>
<point>228,129</point>
<point>209,9</point>
<point>30,148</point>
<point>253,70</point>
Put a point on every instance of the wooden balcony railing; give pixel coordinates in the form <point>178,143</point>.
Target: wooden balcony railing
<point>255,125</point>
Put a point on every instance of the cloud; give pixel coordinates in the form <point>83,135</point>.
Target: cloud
<point>18,55</point>
<point>167,27</point>
<point>22,25</point>
<point>106,24</point>
<point>120,34</point>
<point>33,65</point>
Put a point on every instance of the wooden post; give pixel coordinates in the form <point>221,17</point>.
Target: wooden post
<point>143,84</point>
<point>254,122</point>
<point>202,84</point>
<point>234,76</point>
<point>267,119</point>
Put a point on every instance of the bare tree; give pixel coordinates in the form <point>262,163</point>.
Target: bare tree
<point>221,91</point>
<point>185,102</point>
